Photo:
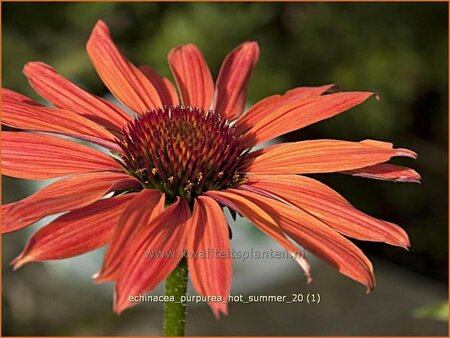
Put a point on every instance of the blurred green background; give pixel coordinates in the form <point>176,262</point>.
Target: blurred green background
<point>398,50</point>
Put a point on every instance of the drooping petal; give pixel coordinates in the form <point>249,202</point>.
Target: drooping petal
<point>208,248</point>
<point>152,254</point>
<point>331,208</point>
<point>296,114</point>
<point>163,86</point>
<point>66,95</point>
<point>38,118</point>
<point>387,172</point>
<point>141,210</point>
<point>37,157</point>
<point>128,84</point>
<point>263,220</point>
<point>193,77</point>
<point>317,237</point>
<point>70,193</point>
<point>319,156</point>
<point>75,233</point>
<point>231,87</point>
<point>264,107</point>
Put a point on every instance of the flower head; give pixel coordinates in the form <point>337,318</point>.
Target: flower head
<point>182,151</point>
<point>172,165</point>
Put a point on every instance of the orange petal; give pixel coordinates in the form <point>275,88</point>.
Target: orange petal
<point>317,237</point>
<point>318,156</point>
<point>208,248</point>
<point>66,95</point>
<point>231,87</point>
<point>387,172</point>
<point>67,194</point>
<point>164,238</point>
<point>73,233</point>
<point>128,84</point>
<point>140,211</point>
<point>300,93</point>
<point>35,156</point>
<point>163,86</point>
<point>38,118</point>
<point>7,93</point>
<point>331,208</point>
<point>192,75</point>
<point>315,186</point>
<point>263,220</point>
<point>296,114</point>
<point>264,107</point>
<point>388,145</point>
<point>256,112</point>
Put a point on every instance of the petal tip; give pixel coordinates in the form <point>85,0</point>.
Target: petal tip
<point>331,88</point>
<point>219,308</point>
<point>100,28</point>
<point>252,44</point>
<point>369,289</point>
<point>19,261</point>
<point>117,311</point>
<point>413,178</point>
<point>406,153</point>
<point>98,278</point>
<point>370,285</point>
<point>120,304</point>
<point>407,244</point>
<point>363,95</point>
<point>100,24</point>
<point>252,47</point>
<point>29,67</point>
<point>185,47</point>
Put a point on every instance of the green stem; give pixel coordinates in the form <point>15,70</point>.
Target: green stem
<point>175,311</point>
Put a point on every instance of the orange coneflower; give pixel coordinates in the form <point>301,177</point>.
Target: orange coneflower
<point>176,162</point>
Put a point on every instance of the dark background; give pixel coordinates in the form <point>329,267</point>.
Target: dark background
<point>398,50</point>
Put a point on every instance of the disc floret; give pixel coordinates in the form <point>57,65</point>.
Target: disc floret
<point>182,151</point>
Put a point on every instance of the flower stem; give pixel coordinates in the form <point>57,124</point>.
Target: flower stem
<point>175,311</point>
